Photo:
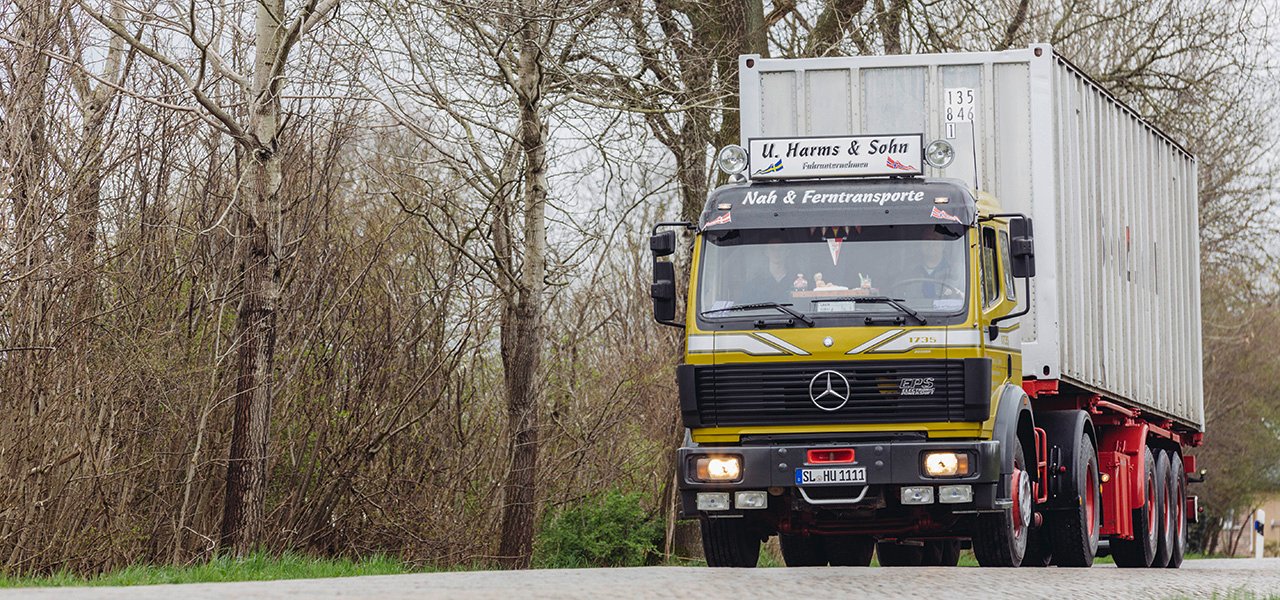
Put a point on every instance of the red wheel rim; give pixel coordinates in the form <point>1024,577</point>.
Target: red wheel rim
<point>1091,499</point>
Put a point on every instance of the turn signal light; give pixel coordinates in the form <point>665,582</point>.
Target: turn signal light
<point>831,455</point>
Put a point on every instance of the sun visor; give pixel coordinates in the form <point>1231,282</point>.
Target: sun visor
<point>818,203</point>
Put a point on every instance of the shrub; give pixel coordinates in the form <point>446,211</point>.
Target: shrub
<point>610,529</point>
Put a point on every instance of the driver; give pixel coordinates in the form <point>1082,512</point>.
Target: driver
<point>773,280</point>
<point>935,275</point>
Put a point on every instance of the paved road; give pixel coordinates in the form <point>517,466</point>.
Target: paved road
<point>1196,579</point>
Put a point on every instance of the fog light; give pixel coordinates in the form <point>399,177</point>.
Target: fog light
<point>955,494</point>
<point>917,495</point>
<point>939,154</point>
<point>713,500</point>
<point>750,500</point>
<point>718,468</point>
<point>732,159</point>
<point>946,464</point>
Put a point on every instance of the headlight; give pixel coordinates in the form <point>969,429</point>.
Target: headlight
<point>717,468</point>
<point>946,464</point>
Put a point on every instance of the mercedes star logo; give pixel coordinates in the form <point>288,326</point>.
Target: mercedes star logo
<point>829,390</point>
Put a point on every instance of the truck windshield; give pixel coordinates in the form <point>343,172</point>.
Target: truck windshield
<point>819,271</point>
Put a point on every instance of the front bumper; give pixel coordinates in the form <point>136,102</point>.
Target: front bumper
<point>888,464</point>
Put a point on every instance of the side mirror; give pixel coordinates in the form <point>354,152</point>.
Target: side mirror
<point>663,289</point>
<point>1022,249</point>
<point>662,244</point>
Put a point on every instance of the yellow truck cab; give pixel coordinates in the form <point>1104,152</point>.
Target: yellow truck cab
<point>847,347</point>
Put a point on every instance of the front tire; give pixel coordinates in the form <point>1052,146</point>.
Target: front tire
<point>893,554</point>
<point>849,550</point>
<point>802,550</point>
<point>941,553</point>
<point>1000,539</point>
<point>730,543</point>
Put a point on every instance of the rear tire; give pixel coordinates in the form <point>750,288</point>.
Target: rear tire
<point>802,550</point>
<point>1075,532</point>
<point>1164,512</point>
<point>730,543</point>
<point>849,550</point>
<point>1141,550</point>
<point>893,554</point>
<point>1178,483</point>
<point>1000,539</point>
<point>941,553</point>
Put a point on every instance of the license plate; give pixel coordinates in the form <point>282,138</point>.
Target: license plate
<point>843,475</point>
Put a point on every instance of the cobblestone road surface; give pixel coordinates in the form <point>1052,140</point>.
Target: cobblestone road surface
<point>1247,578</point>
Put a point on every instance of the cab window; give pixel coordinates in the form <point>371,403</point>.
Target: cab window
<point>990,273</point>
<point>1004,260</point>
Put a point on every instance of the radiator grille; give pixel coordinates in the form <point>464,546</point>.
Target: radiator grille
<point>779,394</point>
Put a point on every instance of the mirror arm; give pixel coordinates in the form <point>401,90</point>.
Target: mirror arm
<point>685,224</point>
<point>993,328</point>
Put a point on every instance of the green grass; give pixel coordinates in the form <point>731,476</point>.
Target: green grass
<point>255,567</point>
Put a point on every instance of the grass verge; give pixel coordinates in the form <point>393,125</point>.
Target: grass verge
<point>255,567</point>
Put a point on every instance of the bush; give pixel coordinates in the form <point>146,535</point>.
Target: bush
<point>607,530</point>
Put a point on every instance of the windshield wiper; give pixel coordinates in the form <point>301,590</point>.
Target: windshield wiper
<point>894,302</point>
<point>786,308</point>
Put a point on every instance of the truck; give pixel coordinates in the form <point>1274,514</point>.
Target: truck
<point>883,357</point>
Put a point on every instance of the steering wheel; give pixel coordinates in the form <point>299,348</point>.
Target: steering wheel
<point>897,287</point>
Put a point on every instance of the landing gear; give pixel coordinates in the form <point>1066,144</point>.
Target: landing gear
<point>730,543</point>
<point>1000,539</point>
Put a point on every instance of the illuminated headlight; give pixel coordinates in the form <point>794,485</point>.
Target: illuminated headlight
<point>750,500</point>
<point>732,159</point>
<point>939,154</point>
<point>955,494</point>
<point>717,469</point>
<point>713,500</point>
<point>917,495</point>
<point>946,464</point>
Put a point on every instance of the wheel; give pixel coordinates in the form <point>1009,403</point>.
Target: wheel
<point>1039,548</point>
<point>1074,533</point>
<point>893,554</point>
<point>1178,477</point>
<point>802,550</point>
<point>1141,550</point>
<point>849,550</point>
<point>941,553</point>
<point>730,543</point>
<point>1000,539</point>
<point>1164,491</point>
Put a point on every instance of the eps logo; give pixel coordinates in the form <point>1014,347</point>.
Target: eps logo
<point>916,386</point>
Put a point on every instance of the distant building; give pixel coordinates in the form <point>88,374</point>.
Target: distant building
<point>1270,530</point>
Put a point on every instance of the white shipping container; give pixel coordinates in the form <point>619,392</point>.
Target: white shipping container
<point>1116,299</point>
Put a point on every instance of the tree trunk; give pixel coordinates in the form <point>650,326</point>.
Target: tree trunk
<point>522,319</point>
<point>247,465</point>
